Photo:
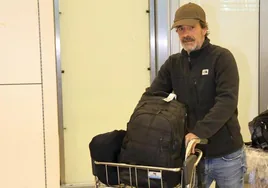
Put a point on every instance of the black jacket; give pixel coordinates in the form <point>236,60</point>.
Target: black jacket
<point>207,81</point>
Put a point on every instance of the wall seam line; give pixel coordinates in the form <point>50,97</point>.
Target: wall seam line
<point>42,90</point>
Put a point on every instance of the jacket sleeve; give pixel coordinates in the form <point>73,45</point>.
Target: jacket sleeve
<point>226,100</point>
<point>162,81</point>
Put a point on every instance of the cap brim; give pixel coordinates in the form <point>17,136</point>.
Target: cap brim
<point>190,22</point>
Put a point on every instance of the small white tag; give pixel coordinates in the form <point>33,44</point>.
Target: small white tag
<point>170,97</point>
<point>154,175</point>
<point>205,72</point>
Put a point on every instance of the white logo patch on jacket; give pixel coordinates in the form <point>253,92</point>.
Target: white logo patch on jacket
<point>205,72</point>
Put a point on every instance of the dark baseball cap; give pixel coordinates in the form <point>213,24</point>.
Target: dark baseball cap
<point>189,14</point>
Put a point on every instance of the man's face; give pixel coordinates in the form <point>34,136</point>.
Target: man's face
<point>191,37</point>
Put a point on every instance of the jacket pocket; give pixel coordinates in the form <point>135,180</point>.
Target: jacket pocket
<point>206,88</point>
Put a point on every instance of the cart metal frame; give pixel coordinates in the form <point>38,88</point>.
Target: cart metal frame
<point>188,170</point>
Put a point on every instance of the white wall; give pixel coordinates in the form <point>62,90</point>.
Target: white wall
<point>28,97</point>
<point>105,55</point>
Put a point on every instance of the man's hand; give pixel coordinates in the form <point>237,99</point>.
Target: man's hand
<point>189,137</point>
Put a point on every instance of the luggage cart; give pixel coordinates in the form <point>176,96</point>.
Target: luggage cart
<point>187,171</point>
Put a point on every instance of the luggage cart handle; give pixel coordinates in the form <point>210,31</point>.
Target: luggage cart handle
<point>191,143</point>
<point>191,161</point>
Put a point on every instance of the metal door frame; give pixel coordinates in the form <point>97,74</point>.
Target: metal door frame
<point>263,56</point>
<point>161,37</point>
<point>59,89</point>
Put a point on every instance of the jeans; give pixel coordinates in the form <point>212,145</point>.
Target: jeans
<point>228,171</point>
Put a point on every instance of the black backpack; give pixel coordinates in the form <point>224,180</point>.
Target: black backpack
<point>258,128</point>
<point>155,137</point>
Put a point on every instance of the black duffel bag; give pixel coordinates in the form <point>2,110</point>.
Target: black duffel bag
<point>106,148</point>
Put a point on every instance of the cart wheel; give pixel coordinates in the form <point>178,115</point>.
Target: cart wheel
<point>97,182</point>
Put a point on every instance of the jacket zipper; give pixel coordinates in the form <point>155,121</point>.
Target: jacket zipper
<point>190,63</point>
<point>195,82</point>
<point>196,93</point>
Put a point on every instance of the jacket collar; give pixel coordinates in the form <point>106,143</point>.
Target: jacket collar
<point>197,52</point>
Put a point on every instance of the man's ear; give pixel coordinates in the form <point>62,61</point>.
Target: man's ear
<point>204,31</point>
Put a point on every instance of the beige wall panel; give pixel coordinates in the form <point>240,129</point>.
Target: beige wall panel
<point>105,55</point>
<point>21,135</point>
<point>50,93</point>
<point>19,46</point>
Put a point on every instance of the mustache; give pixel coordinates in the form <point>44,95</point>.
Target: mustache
<point>188,39</point>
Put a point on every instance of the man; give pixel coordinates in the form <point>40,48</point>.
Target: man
<point>205,78</point>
